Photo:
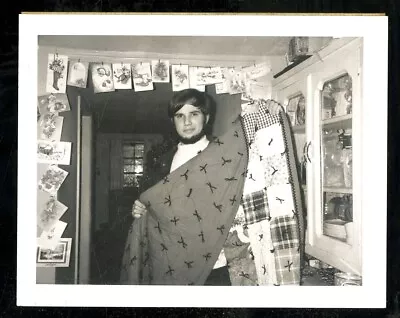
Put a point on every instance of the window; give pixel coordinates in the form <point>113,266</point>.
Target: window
<point>132,163</point>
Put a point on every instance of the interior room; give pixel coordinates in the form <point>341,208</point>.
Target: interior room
<point>116,136</point>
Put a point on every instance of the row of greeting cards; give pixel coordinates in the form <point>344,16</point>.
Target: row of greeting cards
<point>52,249</point>
<point>108,77</point>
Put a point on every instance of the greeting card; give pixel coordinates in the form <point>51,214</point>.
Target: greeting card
<point>53,103</point>
<point>78,73</point>
<point>122,76</point>
<point>52,179</point>
<point>59,256</point>
<point>193,79</point>
<point>223,87</point>
<point>56,73</point>
<point>142,80</point>
<point>49,127</point>
<point>160,71</point>
<point>237,82</point>
<point>208,75</point>
<point>102,77</point>
<point>49,210</point>
<point>49,239</point>
<point>257,70</point>
<point>180,77</point>
<point>53,152</point>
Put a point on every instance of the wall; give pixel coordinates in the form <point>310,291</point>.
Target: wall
<point>104,161</point>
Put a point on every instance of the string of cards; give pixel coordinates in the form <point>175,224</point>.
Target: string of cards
<point>108,77</point>
<point>52,249</point>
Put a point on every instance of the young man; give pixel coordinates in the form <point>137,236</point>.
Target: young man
<point>192,113</point>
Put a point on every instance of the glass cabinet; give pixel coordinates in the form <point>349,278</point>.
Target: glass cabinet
<point>322,98</point>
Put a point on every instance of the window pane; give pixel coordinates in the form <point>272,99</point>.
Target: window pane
<point>129,161</point>
<point>128,151</point>
<point>129,180</point>
<point>139,149</point>
<point>337,97</point>
<point>129,168</point>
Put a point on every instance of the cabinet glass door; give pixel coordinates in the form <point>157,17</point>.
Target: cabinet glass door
<point>336,158</point>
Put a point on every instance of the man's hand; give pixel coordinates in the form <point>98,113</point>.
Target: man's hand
<point>273,107</point>
<point>138,209</point>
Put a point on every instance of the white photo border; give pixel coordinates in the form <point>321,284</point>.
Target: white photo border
<point>373,29</point>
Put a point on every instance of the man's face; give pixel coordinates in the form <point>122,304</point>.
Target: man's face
<point>189,122</point>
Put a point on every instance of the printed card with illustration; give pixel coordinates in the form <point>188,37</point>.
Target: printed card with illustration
<point>49,239</point>
<point>52,179</point>
<point>49,127</point>
<point>122,76</point>
<point>49,210</point>
<point>223,87</point>
<point>78,73</point>
<point>160,71</point>
<point>237,82</point>
<point>58,152</point>
<point>102,77</point>
<point>208,75</point>
<point>53,103</point>
<point>257,70</point>
<point>180,77</point>
<point>193,79</point>
<point>59,256</point>
<point>142,80</point>
<point>57,68</point>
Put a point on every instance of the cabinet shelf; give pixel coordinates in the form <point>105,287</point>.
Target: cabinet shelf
<point>338,190</point>
<point>342,121</point>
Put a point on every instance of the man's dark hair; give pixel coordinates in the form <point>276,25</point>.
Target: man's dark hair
<point>192,96</point>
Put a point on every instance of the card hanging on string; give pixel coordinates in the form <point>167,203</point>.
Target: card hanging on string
<point>58,152</point>
<point>237,82</point>
<point>193,79</point>
<point>122,76</point>
<point>180,77</point>
<point>56,81</point>
<point>59,256</point>
<point>49,127</point>
<point>142,80</point>
<point>208,75</point>
<point>223,87</point>
<point>160,71</point>
<point>52,179</point>
<point>49,210</point>
<point>49,239</point>
<point>257,70</point>
<point>78,73</point>
<point>102,77</point>
<point>53,103</point>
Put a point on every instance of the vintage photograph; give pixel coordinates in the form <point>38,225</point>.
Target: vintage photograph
<point>221,161</point>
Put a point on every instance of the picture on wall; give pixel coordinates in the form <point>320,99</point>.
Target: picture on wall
<point>102,77</point>
<point>208,75</point>
<point>56,73</point>
<point>49,127</point>
<point>237,82</point>
<point>52,179</point>
<point>49,211</point>
<point>142,80</point>
<point>78,73</point>
<point>59,256</point>
<point>122,76</point>
<point>53,103</point>
<point>180,77</point>
<point>53,152</point>
<point>160,71</point>
<point>223,87</point>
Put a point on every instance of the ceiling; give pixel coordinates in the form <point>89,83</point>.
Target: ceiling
<point>197,45</point>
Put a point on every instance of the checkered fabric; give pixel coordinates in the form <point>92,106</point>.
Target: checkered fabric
<point>250,123</point>
<point>255,206</point>
<point>284,232</point>
<point>265,119</point>
<point>287,266</point>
